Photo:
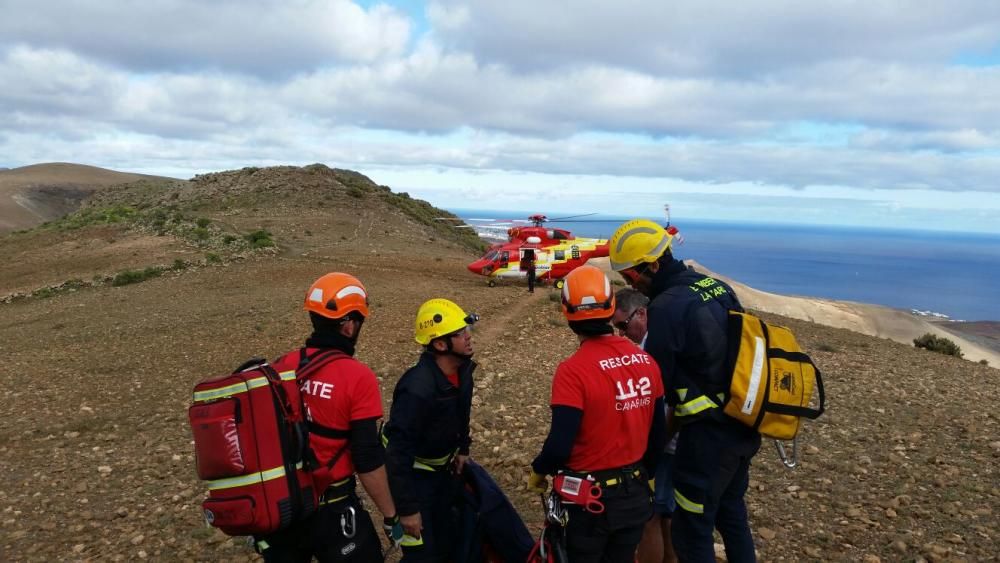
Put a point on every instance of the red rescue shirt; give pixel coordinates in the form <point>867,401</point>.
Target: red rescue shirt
<point>615,384</point>
<point>341,391</point>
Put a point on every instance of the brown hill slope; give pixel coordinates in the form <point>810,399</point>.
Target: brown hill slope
<point>95,450</point>
<point>160,224</point>
<point>31,195</point>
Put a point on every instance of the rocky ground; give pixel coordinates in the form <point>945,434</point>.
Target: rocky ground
<point>95,449</point>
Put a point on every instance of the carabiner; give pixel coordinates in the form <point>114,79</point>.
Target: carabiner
<point>348,522</point>
<point>794,461</point>
<point>554,511</point>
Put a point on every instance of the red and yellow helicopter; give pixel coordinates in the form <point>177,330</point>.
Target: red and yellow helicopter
<point>556,251</point>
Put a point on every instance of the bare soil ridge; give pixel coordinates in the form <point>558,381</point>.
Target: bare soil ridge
<point>31,195</point>
<point>95,449</point>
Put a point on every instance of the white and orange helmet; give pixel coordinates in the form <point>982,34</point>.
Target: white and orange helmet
<point>336,294</point>
<point>586,294</point>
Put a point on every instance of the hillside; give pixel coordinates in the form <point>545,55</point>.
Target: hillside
<point>95,450</point>
<point>31,195</point>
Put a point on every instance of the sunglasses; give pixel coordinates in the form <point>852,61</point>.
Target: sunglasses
<point>632,275</point>
<point>461,333</point>
<point>623,325</point>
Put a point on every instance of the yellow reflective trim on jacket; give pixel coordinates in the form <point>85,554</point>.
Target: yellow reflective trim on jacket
<point>682,394</point>
<point>427,464</point>
<point>253,478</point>
<point>340,483</point>
<point>221,392</point>
<point>687,504</point>
<point>325,502</point>
<point>287,375</point>
<point>695,406</point>
<point>438,461</point>
<point>410,541</point>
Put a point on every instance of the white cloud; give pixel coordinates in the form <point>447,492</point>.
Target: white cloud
<point>685,37</point>
<point>262,37</point>
<point>764,95</point>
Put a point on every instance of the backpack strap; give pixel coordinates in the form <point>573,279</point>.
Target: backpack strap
<point>307,368</point>
<point>309,365</point>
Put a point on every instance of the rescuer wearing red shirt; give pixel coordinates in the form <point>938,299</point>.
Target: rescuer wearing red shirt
<point>343,404</point>
<point>607,426</point>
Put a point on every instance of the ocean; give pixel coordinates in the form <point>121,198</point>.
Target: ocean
<point>953,275</point>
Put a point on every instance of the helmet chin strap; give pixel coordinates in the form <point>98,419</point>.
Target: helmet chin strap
<point>451,351</point>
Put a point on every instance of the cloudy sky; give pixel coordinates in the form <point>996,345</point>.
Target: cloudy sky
<point>870,113</point>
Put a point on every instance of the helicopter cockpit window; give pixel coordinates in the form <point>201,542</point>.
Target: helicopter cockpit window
<point>559,254</point>
<point>491,255</point>
<point>558,235</point>
<point>504,257</point>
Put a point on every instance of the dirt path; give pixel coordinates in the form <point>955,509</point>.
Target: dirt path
<point>513,315</point>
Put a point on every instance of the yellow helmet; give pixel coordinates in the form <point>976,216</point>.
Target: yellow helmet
<point>438,317</point>
<point>638,241</point>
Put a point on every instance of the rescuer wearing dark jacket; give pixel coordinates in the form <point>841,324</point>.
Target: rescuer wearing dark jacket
<point>427,435</point>
<point>687,320</point>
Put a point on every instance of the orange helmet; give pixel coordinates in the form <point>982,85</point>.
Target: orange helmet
<point>335,295</point>
<point>586,294</point>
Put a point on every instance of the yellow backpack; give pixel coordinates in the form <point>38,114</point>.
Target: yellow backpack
<point>772,378</point>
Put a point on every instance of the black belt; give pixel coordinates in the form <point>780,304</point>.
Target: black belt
<point>338,491</point>
<point>611,477</point>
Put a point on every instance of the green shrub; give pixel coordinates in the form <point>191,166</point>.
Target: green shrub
<point>984,362</point>
<point>259,239</point>
<point>355,191</point>
<point>135,276</point>
<point>200,233</point>
<point>44,293</point>
<point>95,216</point>
<point>212,258</point>
<point>938,344</point>
<point>203,222</point>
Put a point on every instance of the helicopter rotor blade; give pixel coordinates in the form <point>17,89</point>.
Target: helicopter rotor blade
<point>588,221</point>
<point>570,217</point>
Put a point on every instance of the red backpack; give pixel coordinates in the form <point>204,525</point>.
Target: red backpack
<point>251,441</point>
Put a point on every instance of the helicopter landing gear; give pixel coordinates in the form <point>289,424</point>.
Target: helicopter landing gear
<point>491,282</point>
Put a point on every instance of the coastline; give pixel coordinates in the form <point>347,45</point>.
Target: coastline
<point>865,318</point>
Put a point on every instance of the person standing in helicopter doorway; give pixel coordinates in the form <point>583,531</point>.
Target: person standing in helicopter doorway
<point>528,265</point>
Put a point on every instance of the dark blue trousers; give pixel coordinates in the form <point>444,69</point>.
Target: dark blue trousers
<point>437,492</point>
<point>711,475</point>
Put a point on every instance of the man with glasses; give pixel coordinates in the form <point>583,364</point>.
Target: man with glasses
<point>687,318</point>
<point>427,435</point>
<point>655,547</point>
<point>630,316</point>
